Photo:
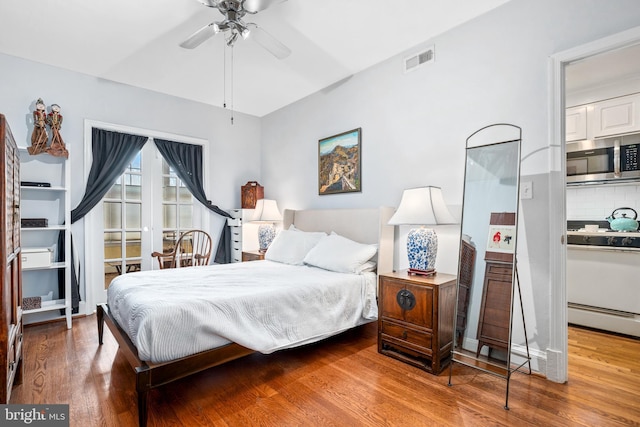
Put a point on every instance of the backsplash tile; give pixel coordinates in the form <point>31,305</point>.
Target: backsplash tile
<point>598,202</point>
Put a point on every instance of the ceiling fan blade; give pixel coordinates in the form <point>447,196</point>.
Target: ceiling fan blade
<point>254,6</point>
<point>199,37</point>
<point>210,3</point>
<point>268,42</point>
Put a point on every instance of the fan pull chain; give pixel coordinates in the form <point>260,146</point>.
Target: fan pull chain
<point>232,85</point>
<point>224,76</point>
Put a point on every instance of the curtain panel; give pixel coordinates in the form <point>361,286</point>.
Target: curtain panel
<point>186,160</point>
<point>112,153</point>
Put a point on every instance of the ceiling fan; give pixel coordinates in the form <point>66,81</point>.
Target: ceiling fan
<point>234,11</point>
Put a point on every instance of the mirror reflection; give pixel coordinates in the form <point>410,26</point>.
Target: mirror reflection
<point>487,253</point>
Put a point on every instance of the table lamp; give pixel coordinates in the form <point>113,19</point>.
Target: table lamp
<point>266,213</point>
<point>422,206</point>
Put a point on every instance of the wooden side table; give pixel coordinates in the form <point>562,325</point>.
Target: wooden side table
<point>415,319</point>
<point>252,255</point>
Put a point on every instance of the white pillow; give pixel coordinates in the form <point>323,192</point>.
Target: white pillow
<point>337,253</point>
<point>290,247</point>
<point>366,267</point>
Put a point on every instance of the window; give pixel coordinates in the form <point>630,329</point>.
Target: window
<point>177,207</point>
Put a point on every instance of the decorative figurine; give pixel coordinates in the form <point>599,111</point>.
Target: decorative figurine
<point>39,136</point>
<point>54,120</point>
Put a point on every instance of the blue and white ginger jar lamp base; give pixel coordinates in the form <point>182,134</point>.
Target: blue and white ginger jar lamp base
<point>266,234</point>
<point>422,248</point>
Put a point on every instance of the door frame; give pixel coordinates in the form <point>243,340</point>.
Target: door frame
<point>557,352</point>
<point>94,267</point>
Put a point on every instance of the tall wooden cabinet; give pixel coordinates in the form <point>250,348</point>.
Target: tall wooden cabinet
<point>11,281</point>
<point>495,307</point>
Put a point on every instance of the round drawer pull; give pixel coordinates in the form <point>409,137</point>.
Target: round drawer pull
<point>406,299</point>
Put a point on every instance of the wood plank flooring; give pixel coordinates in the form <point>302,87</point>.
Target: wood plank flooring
<point>342,381</point>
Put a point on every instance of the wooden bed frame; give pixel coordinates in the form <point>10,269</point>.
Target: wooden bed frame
<point>363,225</point>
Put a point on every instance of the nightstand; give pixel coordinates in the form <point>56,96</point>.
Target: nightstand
<point>415,318</point>
<point>252,255</point>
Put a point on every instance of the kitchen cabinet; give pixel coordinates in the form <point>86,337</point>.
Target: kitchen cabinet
<point>45,203</point>
<point>415,320</point>
<point>576,123</point>
<point>606,118</point>
<point>616,116</point>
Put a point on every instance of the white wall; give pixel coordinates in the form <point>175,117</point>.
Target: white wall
<point>234,150</point>
<point>494,69</point>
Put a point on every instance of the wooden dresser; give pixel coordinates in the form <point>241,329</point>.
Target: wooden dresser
<point>415,320</point>
<point>11,295</point>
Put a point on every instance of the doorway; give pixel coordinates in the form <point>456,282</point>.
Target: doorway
<point>557,357</point>
<point>143,212</point>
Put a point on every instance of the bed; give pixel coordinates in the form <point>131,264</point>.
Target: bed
<point>198,338</point>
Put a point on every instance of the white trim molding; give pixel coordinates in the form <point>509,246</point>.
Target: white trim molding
<point>557,351</point>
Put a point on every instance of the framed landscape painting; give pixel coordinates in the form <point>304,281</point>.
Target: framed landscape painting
<point>339,165</point>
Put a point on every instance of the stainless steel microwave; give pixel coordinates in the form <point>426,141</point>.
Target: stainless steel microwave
<point>603,160</point>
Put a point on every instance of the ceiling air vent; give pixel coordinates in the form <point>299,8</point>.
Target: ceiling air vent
<point>417,60</point>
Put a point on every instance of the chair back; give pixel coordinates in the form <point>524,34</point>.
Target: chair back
<point>192,248</point>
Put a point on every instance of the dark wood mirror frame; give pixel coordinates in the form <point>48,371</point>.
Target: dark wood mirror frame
<point>487,273</point>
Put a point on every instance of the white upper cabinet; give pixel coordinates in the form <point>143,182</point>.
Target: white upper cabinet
<point>611,117</point>
<point>616,116</point>
<point>576,123</point>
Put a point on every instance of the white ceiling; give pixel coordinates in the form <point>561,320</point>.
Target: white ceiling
<point>136,42</point>
<point>605,68</point>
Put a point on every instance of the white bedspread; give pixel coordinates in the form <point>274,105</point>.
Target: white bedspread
<point>262,305</point>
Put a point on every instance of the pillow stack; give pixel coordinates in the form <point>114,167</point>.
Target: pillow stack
<point>330,252</point>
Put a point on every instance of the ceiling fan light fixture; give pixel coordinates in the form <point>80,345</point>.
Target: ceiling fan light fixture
<point>242,29</point>
<point>234,11</point>
<point>232,39</point>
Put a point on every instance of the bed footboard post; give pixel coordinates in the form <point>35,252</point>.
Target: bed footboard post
<point>143,385</point>
<point>100,317</point>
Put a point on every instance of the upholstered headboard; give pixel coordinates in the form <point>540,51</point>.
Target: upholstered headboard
<point>361,225</point>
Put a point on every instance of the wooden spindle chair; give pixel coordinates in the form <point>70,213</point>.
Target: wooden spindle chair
<point>192,248</point>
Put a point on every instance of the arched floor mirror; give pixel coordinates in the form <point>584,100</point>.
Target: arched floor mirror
<point>487,273</point>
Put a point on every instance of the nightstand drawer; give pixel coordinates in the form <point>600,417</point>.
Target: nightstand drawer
<point>252,256</point>
<point>422,339</point>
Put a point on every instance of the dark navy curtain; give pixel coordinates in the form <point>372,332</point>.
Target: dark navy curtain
<point>186,161</point>
<point>112,153</point>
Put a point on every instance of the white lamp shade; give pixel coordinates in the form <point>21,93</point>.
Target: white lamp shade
<point>422,206</point>
<point>266,211</point>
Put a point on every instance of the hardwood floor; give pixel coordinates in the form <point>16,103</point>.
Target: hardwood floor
<point>340,382</point>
